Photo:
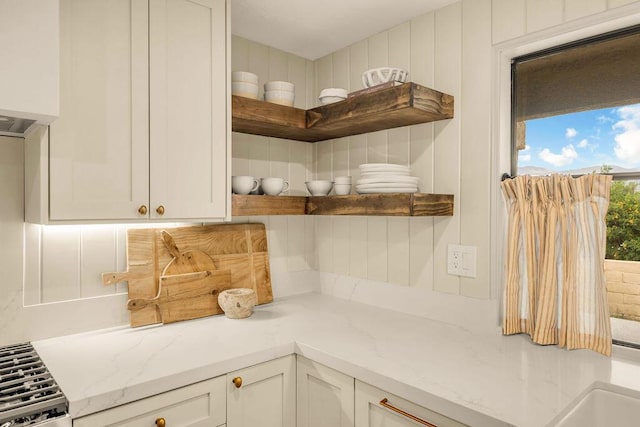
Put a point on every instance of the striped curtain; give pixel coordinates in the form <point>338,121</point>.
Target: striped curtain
<point>555,288</point>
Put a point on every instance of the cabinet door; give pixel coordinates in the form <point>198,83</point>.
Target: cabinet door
<point>188,108</point>
<point>99,147</point>
<point>267,396</point>
<point>370,413</point>
<point>197,405</point>
<point>324,396</point>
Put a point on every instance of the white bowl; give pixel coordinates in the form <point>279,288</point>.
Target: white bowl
<point>334,91</point>
<point>377,76</point>
<point>244,76</point>
<point>342,189</point>
<point>247,90</point>
<point>320,187</point>
<point>279,85</point>
<point>280,97</point>
<point>342,180</point>
<point>324,100</point>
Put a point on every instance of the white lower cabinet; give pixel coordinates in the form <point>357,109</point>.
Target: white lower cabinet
<point>263,395</point>
<point>325,397</point>
<point>370,412</point>
<point>197,405</point>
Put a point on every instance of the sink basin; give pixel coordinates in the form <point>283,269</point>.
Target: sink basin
<point>600,407</point>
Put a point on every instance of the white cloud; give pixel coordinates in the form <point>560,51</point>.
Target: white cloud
<point>583,144</point>
<point>604,119</point>
<point>526,148</point>
<point>627,148</point>
<point>570,133</point>
<point>566,157</point>
<point>524,158</point>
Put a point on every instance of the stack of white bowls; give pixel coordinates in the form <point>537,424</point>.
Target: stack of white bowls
<point>386,178</point>
<point>342,185</point>
<point>244,84</point>
<point>331,95</point>
<point>278,92</point>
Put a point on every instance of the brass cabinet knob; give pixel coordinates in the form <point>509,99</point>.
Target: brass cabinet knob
<point>142,210</point>
<point>237,381</point>
<point>160,422</point>
<point>160,210</point>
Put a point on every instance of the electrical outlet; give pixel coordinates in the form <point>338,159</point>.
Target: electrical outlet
<point>461,260</point>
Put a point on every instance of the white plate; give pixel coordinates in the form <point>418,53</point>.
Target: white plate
<point>374,179</point>
<point>387,190</point>
<point>385,172</point>
<point>368,167</point>
<point>387,184</point>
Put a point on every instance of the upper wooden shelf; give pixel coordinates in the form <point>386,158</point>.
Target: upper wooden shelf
<point>393,204</point>
<point>403,105</point>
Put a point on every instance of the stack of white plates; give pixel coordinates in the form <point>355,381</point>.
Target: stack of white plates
<point>386,178</point>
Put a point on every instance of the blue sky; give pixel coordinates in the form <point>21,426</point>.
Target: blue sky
<point>592,138</point>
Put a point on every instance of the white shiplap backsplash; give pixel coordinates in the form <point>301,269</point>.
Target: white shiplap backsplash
<point>51,284</point>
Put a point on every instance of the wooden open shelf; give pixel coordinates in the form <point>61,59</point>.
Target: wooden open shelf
<point>403,105</point>
<point>392,204</point>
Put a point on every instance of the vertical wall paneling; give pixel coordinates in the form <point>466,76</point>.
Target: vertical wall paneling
<point>324,243</point>
<point>279,158</point>
<point>340,63</point>
<point>240,152</point>
<point>259,64</point>
<point>543,14</point>
<point>421,252</point>
<point>60,263</point>
<point>341,253</point>
<point>297,168</point>
<point>121,255</point>
<point>358,246</point>
<point>259,157</point>
<point>239,54</point>
<point>297,74</point>
<point>358,64</point>
<point>398,252</point>
<point>278,236</point>
<point>448,25</point>
<point>278,65</point>
<point>377,248</point>
<point>310,242</point>
<point>310,84</point>
<point>509,21</point>
<point>324,75</point>
<point>377,147</point>
<point>324,160</point>
<point>296,259</point>
<point>575,9</point>
<point>32,264</point>
<point>475,141</point>
<point>96,242</point>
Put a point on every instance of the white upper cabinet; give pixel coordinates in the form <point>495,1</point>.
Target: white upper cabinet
<point>143,130</point>
<point>29,59</point>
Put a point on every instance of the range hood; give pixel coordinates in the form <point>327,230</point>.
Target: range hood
<point>13,126</point>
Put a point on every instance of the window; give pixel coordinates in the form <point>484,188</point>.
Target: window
<point>576,109</point>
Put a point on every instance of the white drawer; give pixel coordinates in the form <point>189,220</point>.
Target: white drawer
<point>199,405</point>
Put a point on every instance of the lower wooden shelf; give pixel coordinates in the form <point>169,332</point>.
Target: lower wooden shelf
<point>392,204</point>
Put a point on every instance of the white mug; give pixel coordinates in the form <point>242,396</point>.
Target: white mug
<point>243,184</point>
<point>273,186</point>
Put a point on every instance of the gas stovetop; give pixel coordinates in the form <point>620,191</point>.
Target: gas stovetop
<point>29,395</point>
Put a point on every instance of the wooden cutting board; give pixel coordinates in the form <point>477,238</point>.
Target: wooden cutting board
<point>187,296</point>
<point>240,248</point>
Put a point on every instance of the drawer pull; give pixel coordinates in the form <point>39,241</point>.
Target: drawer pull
<point>142,210</point>
<point>160,210</point>
<point>237,381</point>
<point>160,422</point>
<point>385,402</point>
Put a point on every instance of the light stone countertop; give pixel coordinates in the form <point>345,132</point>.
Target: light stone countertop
<point>478,380</point>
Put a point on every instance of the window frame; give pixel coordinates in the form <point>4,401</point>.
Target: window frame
<point>502,110</point>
